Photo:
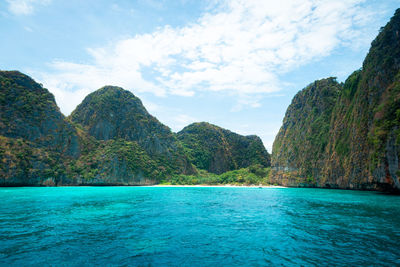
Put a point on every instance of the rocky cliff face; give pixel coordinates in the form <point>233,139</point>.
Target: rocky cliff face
<point>357,142</point>
<point>112,113</point>
<point>301,142</point>
<point>218,150</point>
<point>35,138</point>
<point>111,141</point>
<point>29,111</point>
<point>114,162</point>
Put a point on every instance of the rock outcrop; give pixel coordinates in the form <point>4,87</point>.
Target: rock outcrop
<point>29,111</point>
<point>110,139</point>
<point>218,150</point>
<point>356,138</point>
<point>300,144</point>
<point>35,138</point>
<point>112,113</point>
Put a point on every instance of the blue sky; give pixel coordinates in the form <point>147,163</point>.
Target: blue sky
<point>236,64</point>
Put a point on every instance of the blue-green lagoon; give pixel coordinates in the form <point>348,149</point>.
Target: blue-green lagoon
<point>207,226</point>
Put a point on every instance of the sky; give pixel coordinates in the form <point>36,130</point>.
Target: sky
<point>236,64</point>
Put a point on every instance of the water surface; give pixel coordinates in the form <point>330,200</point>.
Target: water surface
<point>197,226</point>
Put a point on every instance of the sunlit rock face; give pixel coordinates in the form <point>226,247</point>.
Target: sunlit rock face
<point>218,150</point>
<point>356,142</point>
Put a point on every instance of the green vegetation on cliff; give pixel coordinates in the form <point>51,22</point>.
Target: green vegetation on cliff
<point>112,113</point>
<point>110,139</point>
<point>333,135</point>
<point>301,141</point>
<point>39,146</point>
<point>218,150</point>
<point>29,111</point>
<point>357,141</point>
<point>252,175</point>
<point>24,163</point>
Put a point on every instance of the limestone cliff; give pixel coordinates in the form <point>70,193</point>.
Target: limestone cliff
<point>112,113</point>
<point>39,146</point>
<point>35,138</point>
<point>301,142</point>
<point>29,111</point>
<point>218,150</point>
<point>357,140</point>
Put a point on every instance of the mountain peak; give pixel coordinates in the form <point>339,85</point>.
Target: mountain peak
<point>347,137</point>
<point>113,89</point>
<point>218,150</point>
<point>29,111</point>
<point>112,112</point>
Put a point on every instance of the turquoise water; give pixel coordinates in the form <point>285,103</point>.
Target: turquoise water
<point>147,226</point>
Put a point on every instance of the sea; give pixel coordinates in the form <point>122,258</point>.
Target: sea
<point>197,226</point>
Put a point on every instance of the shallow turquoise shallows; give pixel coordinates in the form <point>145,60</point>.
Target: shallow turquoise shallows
<point>144,226</point>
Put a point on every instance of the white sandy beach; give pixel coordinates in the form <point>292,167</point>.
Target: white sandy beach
<point>227,185</point>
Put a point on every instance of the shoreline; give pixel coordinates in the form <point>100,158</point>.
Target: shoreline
<point>227,185</point>
<point>148,185</point>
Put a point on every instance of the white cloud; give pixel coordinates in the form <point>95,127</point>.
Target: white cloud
<point>244,101</point>
<point>28,29</point>
<point>24,7</point>
<point>241,47</point>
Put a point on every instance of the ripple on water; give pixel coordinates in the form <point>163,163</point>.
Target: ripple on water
<point>197,226</point>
